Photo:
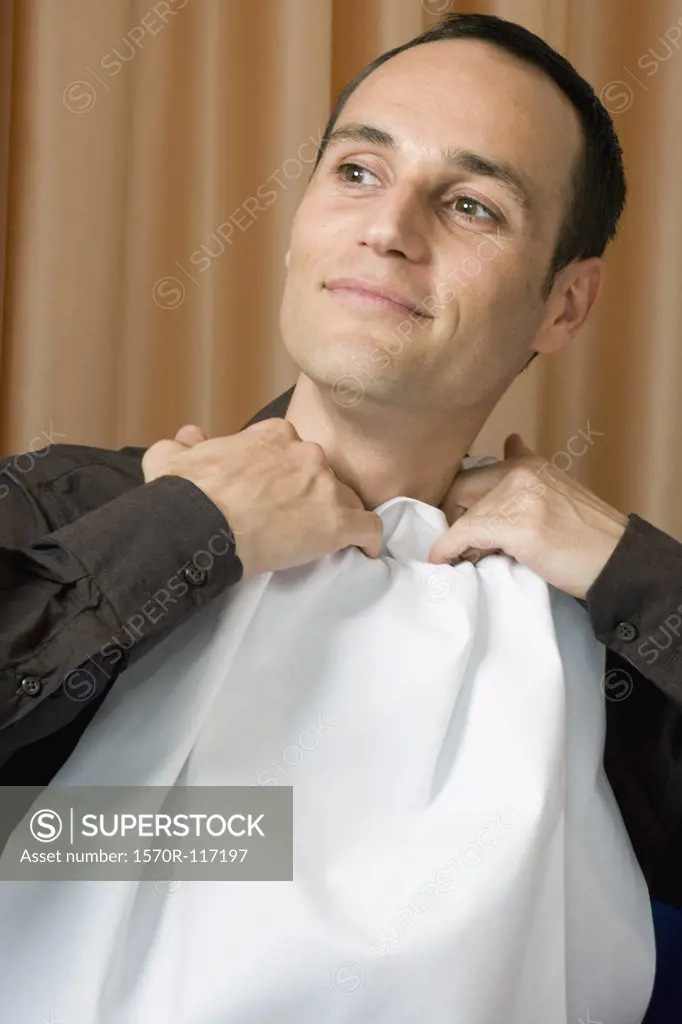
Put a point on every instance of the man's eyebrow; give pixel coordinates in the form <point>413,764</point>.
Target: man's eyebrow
<point>454,156</point>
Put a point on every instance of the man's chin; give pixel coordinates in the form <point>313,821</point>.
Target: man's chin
<point>360,357</point>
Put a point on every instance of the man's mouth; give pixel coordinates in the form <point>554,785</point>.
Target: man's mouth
<point>370,294</point>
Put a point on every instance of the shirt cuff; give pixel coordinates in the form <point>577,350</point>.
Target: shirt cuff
<point>635,604</point>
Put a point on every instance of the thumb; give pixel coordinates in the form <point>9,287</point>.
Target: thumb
<point>514,447</point>
<point>190,435</point>
<point>158,456</point>
<point>370,528</point>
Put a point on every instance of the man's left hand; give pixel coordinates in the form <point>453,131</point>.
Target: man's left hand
<point>526,509</point>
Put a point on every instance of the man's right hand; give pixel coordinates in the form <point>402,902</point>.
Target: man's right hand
<point>278,493</point>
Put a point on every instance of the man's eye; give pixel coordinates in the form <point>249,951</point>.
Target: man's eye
<point>470,203</point>
<point>352,174</point>
<point>342,172</point>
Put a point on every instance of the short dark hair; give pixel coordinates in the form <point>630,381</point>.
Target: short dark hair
<point>598,186</point>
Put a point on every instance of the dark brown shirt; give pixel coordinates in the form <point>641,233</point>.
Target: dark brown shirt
<point>96,567</point>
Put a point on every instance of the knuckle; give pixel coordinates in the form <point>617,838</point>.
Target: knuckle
<point>162,447</point>
<point>275,426</point>
<point>328,488</point>
<point>524,475</point>
<point>314,452</point>
<point>537,515</point>
<point>284,427</point>
<point>158,457</point>
<point>480,531</point>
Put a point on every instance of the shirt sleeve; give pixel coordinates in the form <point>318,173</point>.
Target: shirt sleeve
<point>85,601</point>
<point>635,604</point>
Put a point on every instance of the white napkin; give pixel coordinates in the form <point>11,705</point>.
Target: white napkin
<point>458,853</point>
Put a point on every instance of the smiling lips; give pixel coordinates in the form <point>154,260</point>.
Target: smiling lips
<point>367,293</point>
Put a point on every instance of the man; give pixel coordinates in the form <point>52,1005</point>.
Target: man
<point>433,159</point>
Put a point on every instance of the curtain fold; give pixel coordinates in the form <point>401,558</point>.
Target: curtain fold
<point>152,156</point>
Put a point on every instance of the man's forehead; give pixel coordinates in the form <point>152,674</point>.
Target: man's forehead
<point>461,92</point>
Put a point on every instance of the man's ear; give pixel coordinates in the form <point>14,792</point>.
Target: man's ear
<point>572,298</point>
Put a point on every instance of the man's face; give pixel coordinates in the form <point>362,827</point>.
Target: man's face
<point>470,247</point>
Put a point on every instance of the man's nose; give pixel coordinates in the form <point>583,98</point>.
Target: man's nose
<point>396,222</point>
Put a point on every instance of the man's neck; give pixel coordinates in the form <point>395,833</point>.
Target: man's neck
<point>382,451</point>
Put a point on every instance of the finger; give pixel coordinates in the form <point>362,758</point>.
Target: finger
<point>474,555</point>
<point>470,485</point>
<point>189,435</point>
<point>515,447</point>
<point>365,531</point>
<point>481,528</point>
<point>159,454</point>
<point>454,513</point>
<point>469,555</point>
<point>361,527</point>
<point>451,546</point>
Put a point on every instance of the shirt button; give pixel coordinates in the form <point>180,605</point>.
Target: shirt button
<point>626,631</point>
<point>197,577</point>
<point>31,686</point>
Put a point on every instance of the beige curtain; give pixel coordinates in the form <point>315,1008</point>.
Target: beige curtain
<point>142,275</point>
